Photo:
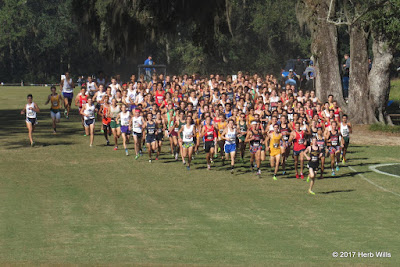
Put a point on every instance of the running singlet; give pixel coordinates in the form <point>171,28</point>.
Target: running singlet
<point>285,132</point>
<point>221,127</point>
<point>344,130</point>
<point>124,118</point>
<point>114,112</point>
<point>187,134</point>
<point>231,137</point>
<point>89,112</point>
<point>55,102</point>
<point>100,96</point>
<point>82,100</point>
<point>321,143</point>
<point>334,139</point>
<point>151,129</point>
<point>137,123</point>
<point>209,133</point>
<point>314,156</point>
<point>67,88</point>
<point>159,97</point>
<point>299,141</point>
<point>90,87</point>
<point>257,138</point>
<point>30,113</point>
<point>275,142</point>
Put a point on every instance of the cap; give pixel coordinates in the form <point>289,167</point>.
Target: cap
<point>291,70</point>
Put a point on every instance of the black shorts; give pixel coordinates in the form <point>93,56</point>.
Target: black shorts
<point>208,145</point>
<point>313,165</point>
<point>138,135</point>
<point>160,137</point>
<point>32,121</point>
<point>150,138</point>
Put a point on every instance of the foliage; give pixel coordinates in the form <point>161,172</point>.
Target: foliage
<point>379,127</point>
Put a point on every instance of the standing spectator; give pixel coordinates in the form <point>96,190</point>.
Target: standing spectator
<point>149,61</point>
<point>310,74</point>
<point>346,74</point>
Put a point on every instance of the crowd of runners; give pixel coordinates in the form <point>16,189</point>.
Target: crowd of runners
<point>222,116</point>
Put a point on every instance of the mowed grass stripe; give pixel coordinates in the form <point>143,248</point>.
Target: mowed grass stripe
<point>67,203</point>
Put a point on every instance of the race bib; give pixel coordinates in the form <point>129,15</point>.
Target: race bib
<point>188,136</point>
<point>151,131</point>
<point>301,141</point>
<point>314,158</point>
<point>30,113</point>
<point>276,145</point>
<point>285,137</point>
<point>55,103</point>
<point>334,142</point>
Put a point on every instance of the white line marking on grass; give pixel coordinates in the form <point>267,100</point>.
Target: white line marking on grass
<point>374,168</point>
<point>369,181</point>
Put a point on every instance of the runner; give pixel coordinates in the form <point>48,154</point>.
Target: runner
<point>345,129</point>
<point>124,118</point>
<point>229,135</point>
<point>91,87</point>
<point>242,125</point>
<point>137,125</point>
<point>321,145</point>
<point>55,100</point>
<point>299,145</point>
<point>335,143</point>
<point>254,136</point>
<point>31,110</point>
<point>67,88</point>
<point>106,118</point>
<point>186,134</point>
<point>210,137</point>
<point>151,141</point>
<point>88,111</point>
<point>275,149</point>
<point>285,131</point>
<point>312,154</point>
<point>115,126</point>
<point>221,125</point>
<point>80,101</point>
<point>172,134</point>
<point>160,127</point>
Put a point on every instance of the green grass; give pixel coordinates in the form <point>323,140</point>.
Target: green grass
<point>393,169</point>
<point>63,202</point>
<point>384,128</point>
<point>395,90</point>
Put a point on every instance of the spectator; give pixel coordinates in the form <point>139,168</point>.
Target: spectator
<point>149,61</point>
<point>346,74</point>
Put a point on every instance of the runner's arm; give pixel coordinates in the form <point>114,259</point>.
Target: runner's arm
<point>48,100</point>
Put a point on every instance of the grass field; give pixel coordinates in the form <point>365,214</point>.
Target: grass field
<point>64,202</point>
<point>395,90</point>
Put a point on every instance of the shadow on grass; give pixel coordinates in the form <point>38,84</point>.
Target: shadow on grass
<point>25,143</point>
<point>337,191</point>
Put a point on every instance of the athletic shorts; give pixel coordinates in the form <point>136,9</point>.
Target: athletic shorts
<point>150,138</point>
<point>69,96</point>
<point>255,149</point>
<point>55,114</point>
<point>160,136</point>
<point>98,106</point>
<point>229,148</point>
<point>313,165</point>
<point>114,124</point>
<point>32,121</point>
<point>91,93</point>
<point>138,135</point>
<point>187,144</point>
<point>173,133</point>
<point>346,141</point>
<point>208,145</point>
<point>125,130</point>
<point>334,149</point>
<point>242,138</point>
<point>297,152</point>
<point>88,122</point>
<point>106,121</point>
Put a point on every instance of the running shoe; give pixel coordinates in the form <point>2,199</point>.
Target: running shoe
<point>337,168</point>
<point>311,192</point>
<point>137,156</point>
<point>188,168</point>
<point>308,179</point>
<point>116,148</point>
<point>149,160</point>
<point>67,117</point>
<point>344,161</point>
<point>297,176</point>
<point>108,143</point>
<point>156,158</point>
<point>91,145</point>
<point>302,176</point>
<point>176,156</point>
<point>102,131</point>
<point>259,172</point>
<point>212,162</point>
<point>208,167</point>
<point>219,149</point>
<point>275,179</point>
<point>84,135</point>
<point>184,162</point>
<point>232,171</point>
<point>126,152</point>
<point>333,173</point>
<point>284,172</point>
<point>172,155</point>
<point>32,144</point>
<point>65,112</point>
<point>54,132</point>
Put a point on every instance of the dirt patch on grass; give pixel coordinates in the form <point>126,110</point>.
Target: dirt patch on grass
<point>363,136</point>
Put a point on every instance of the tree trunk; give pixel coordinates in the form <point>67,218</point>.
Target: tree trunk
<point>324,50</point>
<point>360,107</point>
<point>379,77</point>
